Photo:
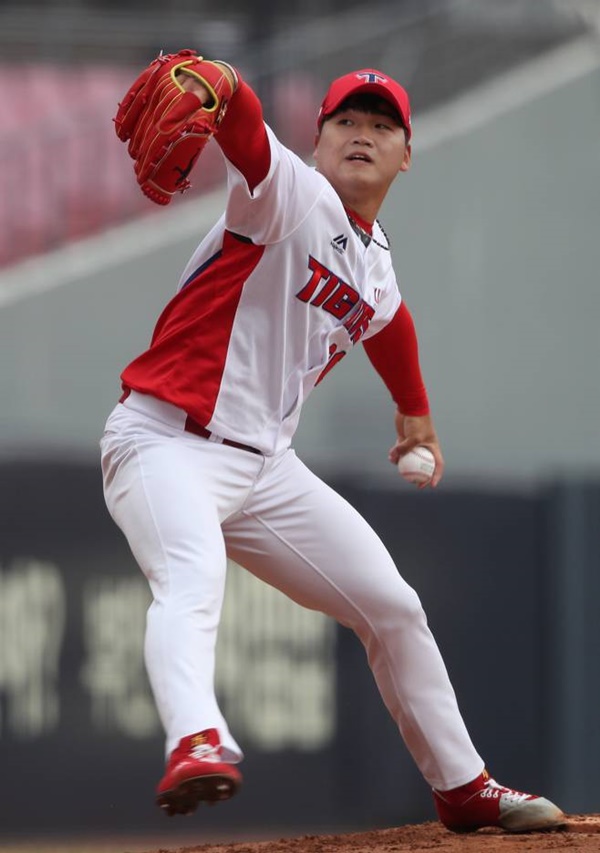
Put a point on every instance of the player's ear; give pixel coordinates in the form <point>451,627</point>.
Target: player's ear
<point>407,159</point>
<point>315,152</point>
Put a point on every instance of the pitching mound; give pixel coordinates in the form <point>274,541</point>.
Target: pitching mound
<point>581,834</point>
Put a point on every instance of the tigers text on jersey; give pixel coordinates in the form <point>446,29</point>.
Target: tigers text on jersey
<point>274,296</point>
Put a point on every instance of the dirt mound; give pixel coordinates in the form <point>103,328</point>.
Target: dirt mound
<point>582,833</point>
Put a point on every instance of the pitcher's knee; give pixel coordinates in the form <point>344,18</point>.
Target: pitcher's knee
<point>407,607</point>
<point>397,609</point>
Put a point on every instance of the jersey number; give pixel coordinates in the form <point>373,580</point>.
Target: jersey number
<point>335,356</point>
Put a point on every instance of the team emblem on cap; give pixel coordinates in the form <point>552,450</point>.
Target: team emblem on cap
<point>370,77</point>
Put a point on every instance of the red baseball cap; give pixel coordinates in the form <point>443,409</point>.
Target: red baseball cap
<point>369,81</point>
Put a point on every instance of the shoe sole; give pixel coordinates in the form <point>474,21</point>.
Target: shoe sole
<point>548,825</point>
<point>185,798</point>
<point>467,830</point>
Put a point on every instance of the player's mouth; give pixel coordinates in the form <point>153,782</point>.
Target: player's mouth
<point>359,157</point>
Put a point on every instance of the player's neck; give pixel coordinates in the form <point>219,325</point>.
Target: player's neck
<point>365,224</point>
<point>364,229</point>
<point>364,210</point>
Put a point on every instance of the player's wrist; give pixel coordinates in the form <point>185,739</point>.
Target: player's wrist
<point>230,73</point>
<point>413,403</point>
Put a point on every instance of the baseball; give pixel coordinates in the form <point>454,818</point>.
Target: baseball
<point>417,466</point>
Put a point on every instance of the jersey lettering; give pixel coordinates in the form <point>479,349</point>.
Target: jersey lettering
<point>325,290</point>
<point>319,274</point>
<point>342,300</point>
<point>358,324</point>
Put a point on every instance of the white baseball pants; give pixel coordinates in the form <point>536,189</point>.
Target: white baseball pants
<point>186,503</point>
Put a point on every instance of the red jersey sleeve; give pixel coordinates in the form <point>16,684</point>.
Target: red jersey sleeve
<point>394,353</point>
<point>243,138</point>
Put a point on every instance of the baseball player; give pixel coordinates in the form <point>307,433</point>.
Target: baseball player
<point>197,458</point>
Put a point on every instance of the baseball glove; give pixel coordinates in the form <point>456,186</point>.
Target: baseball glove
<point>167,127</point>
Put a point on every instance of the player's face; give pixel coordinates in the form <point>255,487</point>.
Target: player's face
<point>360,153</point>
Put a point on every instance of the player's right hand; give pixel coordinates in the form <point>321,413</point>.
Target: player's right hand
<point>413,431</point>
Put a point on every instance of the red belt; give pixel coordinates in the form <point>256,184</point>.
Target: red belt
<point>197,429</point>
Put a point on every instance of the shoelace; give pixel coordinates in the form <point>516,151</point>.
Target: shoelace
<point>206,752</point>
<point>507,793</point>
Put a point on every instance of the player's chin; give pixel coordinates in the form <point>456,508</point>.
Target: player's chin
<point>364,168</point>
<point>361,179</point>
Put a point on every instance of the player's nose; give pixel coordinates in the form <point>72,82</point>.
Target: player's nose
<point>362,138</point>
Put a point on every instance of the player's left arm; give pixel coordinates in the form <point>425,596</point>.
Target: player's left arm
<point>394,353</point>
<point>242,135</point>
<point>270,190</point>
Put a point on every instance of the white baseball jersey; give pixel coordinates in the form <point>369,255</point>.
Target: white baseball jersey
<point>273,297</point>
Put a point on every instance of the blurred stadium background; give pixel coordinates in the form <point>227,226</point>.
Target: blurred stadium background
<point>495,239</point>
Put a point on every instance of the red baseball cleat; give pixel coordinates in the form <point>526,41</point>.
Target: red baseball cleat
<point>483,802</point>
<point>195,773</point>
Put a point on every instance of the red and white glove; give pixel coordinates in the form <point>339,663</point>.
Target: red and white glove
<point>168,127</point>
